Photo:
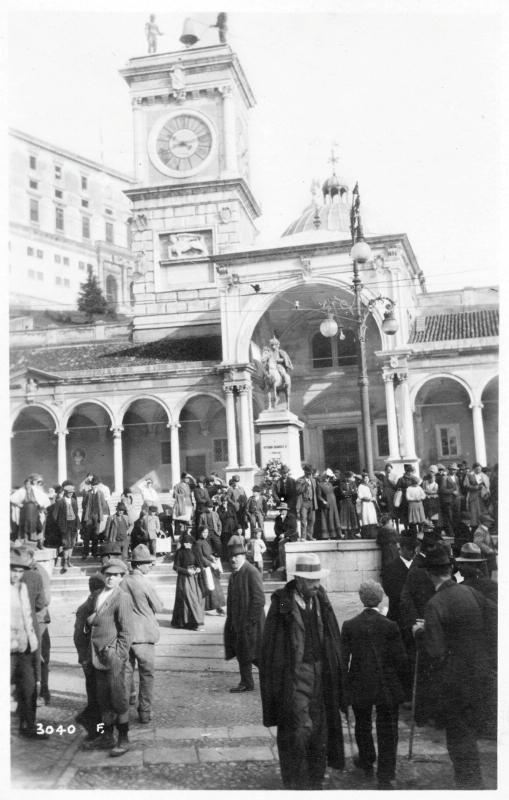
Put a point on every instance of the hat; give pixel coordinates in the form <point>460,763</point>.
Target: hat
<point>307,468</point>
<point>186,538</point>
<point>256,489</point>
<point>236,478</point>
<point>152,508</point>
<point>111,549</point>
<point>433,468</point>
<point>95,582</point>
<point>95,480</point>
<point>141,554</point>
<point>453,465</point>
<point>68,485</point>
<point>437,556</point>
<point>20,557</point>
<point>237,549</point>
<point>408,467</point>
<point>440,467</point>
<point>120,507</point>
<point>282,507</point>
<point>115,567</point>
<point>34,477</point>
<point>307,565</point>
<point>470,552</point>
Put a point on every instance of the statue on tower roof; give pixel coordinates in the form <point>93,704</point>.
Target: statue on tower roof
<point>221,26</point>
<point>152,32</point>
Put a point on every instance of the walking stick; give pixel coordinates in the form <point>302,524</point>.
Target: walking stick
<point>414,693</point>
<point>349,727</point>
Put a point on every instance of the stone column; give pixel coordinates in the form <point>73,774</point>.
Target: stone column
<point>407,419</point>
<point>175,451</point>
<point>479,440</point>
<point>118,466</point>
<point>61,454</point>
<point>244,426</point>
<point>392,421</point>
<point>252,427</point>
<point>230,165</point>
<point>231,430</point>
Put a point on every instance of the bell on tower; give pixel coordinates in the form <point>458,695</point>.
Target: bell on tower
<point>189,36</point>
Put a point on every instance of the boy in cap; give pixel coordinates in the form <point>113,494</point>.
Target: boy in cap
<point>300,677</point>
<point>67,518</point>
<point>153,528</point>
<point>145,629</point>
<point>110,624</point>
<point>117,529</point>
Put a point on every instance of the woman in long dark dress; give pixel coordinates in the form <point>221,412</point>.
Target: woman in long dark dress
<point>214,598</point>
<point>327,524</point>
<point>188,607</point>
<point>348,518</point>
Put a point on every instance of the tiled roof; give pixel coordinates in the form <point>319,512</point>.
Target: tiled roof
<point>458,325</point>
<point>113,354</point>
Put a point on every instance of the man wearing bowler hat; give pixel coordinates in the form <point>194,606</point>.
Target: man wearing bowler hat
<point>245,617</point>
<point>110,623</point>
<point>300,677</point>
<point>472,567</point>
<point>145,629</point>
<point>457,641</point>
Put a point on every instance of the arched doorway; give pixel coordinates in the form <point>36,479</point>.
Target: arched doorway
<point>489,399</point>
<point>90,444</point>
<point>443,422</point>
<point>325,388</point>
<point>34,446</point>
<point>203,437</point>
<point>146,445</point>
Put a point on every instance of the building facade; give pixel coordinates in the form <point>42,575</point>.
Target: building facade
<point>183,388</point>
<point>68,215</point>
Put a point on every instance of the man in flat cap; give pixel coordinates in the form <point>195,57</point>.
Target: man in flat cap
<point>110,623</point>
<point>95,510</point>
<point>245,617</point>
<point>67,520</point>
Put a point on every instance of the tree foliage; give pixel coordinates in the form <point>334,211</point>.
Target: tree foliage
<point>91,300</point>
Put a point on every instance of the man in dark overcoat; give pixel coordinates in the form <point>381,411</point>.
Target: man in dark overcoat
<point>458,637</point>
<point>375,661</point>
<point>285,489</point>
<point>245,617</point>
<point>300,678</point>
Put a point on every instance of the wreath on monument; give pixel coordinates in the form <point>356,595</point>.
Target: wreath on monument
<point>272,472</point>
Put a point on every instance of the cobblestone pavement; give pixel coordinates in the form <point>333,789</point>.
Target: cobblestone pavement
<point>201,735</point>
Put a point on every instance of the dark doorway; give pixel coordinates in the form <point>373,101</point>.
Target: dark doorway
<point>341,449</point>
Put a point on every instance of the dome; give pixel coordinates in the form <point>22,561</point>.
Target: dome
<point>331,216</point>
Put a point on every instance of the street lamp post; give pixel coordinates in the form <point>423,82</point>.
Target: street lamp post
<point>360,254</point>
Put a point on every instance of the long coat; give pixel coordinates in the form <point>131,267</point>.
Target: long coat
<point>285,490</point>
<point>394,575</point>
<point>283,641</point>
<point>460,641</point>
<point>111,629</point>
<point>146,604</point>
<point>245,615</point>
<point>374,660</point>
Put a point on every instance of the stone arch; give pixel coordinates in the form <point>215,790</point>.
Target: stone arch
<point>449,375</point>
<point>34,446</point>
<point>202,434</point>
<point>185,400</point>
<point>443,420</point>
<point>156,398</point>
<point>17,411</point>
<point>89,443</point>
<point>146,450</point>
<point>84,400</point>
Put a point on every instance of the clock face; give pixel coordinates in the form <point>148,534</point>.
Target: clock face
<point>181,143</point>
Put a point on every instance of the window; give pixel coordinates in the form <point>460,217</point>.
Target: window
<point>33,162</point>
<point>31,273</point>
<point>84,184</point>
<point>220,449</point>
<point>67,282</point>
<point>30,251</point>
<point>58,172</point>
<point>322,351</point>
<point>165,452</point>
<point>58,280</point>
<point>40,254</point>
<point>59,194</point>
<point>58,259</point>
<point>81,265</point>
<point>448,440</point>
<point>85,227</point>
<point>338,351</point>
<point>109,232</point>
<point>382,440</point>
<point>34,211</point>
<point>84,203</point>
<point>59,218</point>
<point>66,261</point>
<point>40,276</point>
<point>33,184</point>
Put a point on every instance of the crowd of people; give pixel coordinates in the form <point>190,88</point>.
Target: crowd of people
<point>435,649</point>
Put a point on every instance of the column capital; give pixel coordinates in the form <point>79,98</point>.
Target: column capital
<point>226,90</point>
<point>401,376</point>
<point>476,405</point>
<point>388,377</point>
<point>243,388</point>
<point>117,431</point>
<point>176,425</point>
<point>229,388</point>
<point>61,432</point>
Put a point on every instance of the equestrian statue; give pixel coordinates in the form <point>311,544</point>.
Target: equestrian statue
<point>276,365</point>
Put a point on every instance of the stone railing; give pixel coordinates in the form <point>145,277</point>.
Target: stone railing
<point>349,561</point>
<point>69,335</point>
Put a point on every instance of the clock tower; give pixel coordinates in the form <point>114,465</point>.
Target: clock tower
<point>191,199</point>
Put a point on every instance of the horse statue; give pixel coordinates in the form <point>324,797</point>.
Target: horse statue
<point>276,375</point>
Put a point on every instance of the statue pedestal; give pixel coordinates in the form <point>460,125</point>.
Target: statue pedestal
<point>279,438</point>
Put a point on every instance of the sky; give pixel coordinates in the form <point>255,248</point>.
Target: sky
<point>410,92</point>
